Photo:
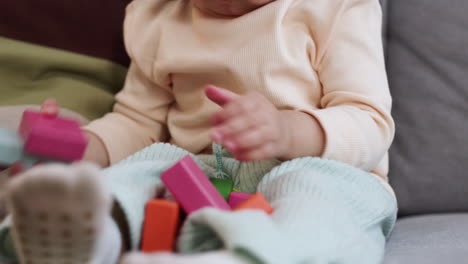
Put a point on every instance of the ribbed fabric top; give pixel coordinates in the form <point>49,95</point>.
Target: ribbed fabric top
<point>322,57</point>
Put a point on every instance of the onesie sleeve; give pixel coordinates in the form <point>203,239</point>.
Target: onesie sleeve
<point>138,118</point>
<point>355,107</point>
<point>140,112</point>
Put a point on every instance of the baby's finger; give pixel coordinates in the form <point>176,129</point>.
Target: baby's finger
<point>232,127</point>
<point>242,106</point>
<point>248,139</point>
<point>219,95</point>
<point>263,152</point>
<point>50,107</point>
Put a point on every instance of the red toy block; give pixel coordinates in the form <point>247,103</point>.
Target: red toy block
<point>235,198</point>
<point>52,137</point>
<point>191,187</point>
<point>256,201</point>
<point>160,226</point>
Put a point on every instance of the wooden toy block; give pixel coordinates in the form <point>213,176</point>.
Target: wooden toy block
<point>191,187</point>
<point>160,226</point>
<point>235,198</point>
<point>223,186</point>
<point>52,137</point>
<point>11,147</point>
<point>256,201</point>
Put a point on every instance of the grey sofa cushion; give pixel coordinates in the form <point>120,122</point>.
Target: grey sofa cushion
<point>436,239</point>
<point>427,62</point>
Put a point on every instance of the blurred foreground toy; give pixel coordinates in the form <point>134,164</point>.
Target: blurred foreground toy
<point>191,187</point>
<point>256,201</point>
<point>42,136</point>
<point>224,186</point>
<point>235,198</point>
<point>160,226</point>
<point>52,136</point>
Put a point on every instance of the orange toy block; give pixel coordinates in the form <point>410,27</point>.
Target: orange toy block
<point>160,226</point>
<point>256,201</point>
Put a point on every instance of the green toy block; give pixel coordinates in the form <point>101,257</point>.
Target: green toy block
<point>223,186</point>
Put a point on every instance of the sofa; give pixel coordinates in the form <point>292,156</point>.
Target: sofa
<point>426,47</point>
<point>427,63</point>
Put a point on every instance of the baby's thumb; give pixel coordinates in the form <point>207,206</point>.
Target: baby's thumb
<point>219,95</point>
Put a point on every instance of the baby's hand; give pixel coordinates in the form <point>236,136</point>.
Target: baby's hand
<point>230,7</point>
<point>50,107</point>
<point>249,125</point>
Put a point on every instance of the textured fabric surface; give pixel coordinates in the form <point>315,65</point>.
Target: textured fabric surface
<point>324,212</point>
<point>87,27</point>
<point>29,74</point>
<point>350,210</point>
<point>430,239</point>
<point>146,166</point>
<point>427,64</point>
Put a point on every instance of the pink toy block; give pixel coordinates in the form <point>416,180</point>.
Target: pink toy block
<point>191,187</point>
<point>52,137</point>
<point>235,198</point>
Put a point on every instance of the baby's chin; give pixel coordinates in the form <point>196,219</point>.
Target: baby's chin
<point>219,7</point>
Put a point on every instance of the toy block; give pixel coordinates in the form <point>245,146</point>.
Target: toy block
<point>11,147</point>
<point>52,137</point>
<point>256,201</point>
<point>235,198</point>
<point>191,187</point>
<point>160,226</point>
<point>223,186</point>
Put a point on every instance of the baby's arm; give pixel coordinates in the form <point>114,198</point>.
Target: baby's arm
<point>96,151</point>
<point>137,121</point>
<point>356,102</point>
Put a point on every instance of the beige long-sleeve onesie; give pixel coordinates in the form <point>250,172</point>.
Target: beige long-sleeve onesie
<point>322,57</point>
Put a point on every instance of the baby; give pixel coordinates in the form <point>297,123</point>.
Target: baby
<point>296,93</point>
